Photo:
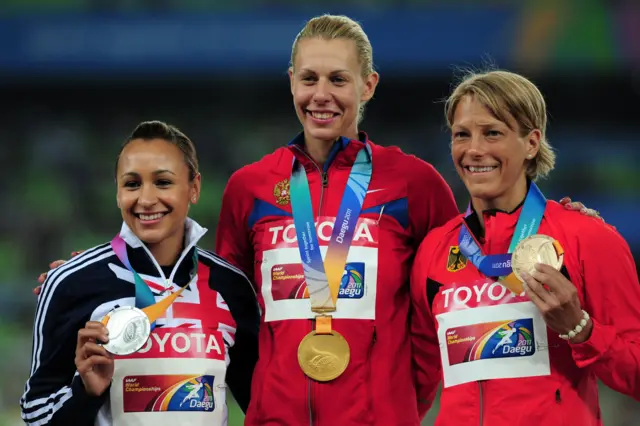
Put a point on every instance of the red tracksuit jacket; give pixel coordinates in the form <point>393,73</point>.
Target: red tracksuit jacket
<point>406,198</point>
<point>446,286</point>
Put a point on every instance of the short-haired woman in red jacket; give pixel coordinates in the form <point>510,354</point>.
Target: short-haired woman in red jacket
<point>520,305</point>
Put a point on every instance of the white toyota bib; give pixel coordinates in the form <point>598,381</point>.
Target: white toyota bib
<point>284,288</point>
<point>178,378</point>
<point>500,338</point>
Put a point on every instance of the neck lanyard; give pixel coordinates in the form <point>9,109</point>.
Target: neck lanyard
<point>499,265</point>
<point>323,278</point>
<point>145,300</point>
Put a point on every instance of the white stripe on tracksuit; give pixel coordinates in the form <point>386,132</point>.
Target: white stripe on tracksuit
<point>54,278</point>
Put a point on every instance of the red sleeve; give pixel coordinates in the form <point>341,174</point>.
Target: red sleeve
<point>425,350</point>
<point>431,201</point>
<point>612,299</point>
<point>233,241</point>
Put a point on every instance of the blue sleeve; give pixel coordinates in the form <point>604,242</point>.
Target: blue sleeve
<point>54,393</point>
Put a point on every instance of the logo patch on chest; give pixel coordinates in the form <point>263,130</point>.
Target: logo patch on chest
<point>456,260</point>
<point>281,192</point>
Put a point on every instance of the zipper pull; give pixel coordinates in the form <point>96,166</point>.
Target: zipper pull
<point>325,179</point>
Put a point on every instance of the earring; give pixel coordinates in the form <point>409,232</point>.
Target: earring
<point>529,156</point>
<point>193,200</point>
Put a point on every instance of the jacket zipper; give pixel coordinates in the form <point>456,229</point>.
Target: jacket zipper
<point>310,403</point>
<point>481,403</point>
<point>323,175</point>
<point>169,280</point>
<point>310,389</point>
<point>374,338</point>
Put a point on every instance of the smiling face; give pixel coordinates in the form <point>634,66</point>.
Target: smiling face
<point>328,87</point>
<point>490,155</point>
<point>155,190</point>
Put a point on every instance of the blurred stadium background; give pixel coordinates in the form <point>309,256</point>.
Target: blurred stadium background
<point>77,75</point>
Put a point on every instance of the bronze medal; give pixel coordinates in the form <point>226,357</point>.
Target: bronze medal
<point>537,248</point>
<point>323,357</point>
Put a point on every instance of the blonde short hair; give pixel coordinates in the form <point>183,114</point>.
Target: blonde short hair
<point>331,27</point>
<point>507,95</point>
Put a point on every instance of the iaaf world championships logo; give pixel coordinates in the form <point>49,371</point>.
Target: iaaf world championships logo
<point>514,338</point>
<point>502,339</point>
<point>195,394</point>
<point>289,282</point>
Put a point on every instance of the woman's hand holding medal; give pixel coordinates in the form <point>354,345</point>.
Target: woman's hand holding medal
<point>558,303</point>
<point>93,362</point>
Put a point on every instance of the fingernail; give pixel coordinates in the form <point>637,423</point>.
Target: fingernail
<point>524,276</point>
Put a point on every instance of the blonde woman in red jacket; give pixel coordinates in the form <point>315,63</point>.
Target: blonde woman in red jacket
<point>520,305</point>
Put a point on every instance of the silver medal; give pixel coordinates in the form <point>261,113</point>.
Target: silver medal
<point>129,329</point>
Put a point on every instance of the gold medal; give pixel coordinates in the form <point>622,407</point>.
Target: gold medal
<point>323,357</point>
<point>537,248</point>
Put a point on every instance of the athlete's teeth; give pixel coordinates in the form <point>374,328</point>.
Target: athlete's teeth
<point>322,115</point>
<point>480,169</point>
<point>151,216</point>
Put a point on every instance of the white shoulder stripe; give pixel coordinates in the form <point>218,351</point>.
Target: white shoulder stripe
<point>45,288</point>
<point>220,261</point>
<point>51,283</point>
<point>48,289</point>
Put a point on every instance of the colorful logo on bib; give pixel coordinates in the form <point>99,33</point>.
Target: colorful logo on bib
<point>168,393</point>
<point>352,284</point>
<point>288,282</point>
<point>503,339</point>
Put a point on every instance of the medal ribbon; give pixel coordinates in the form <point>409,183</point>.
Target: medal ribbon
<point>145,300</point>
<point>323,278</point>
<point>499,265</point>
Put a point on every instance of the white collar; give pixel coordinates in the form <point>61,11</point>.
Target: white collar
<point>193,233</point>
